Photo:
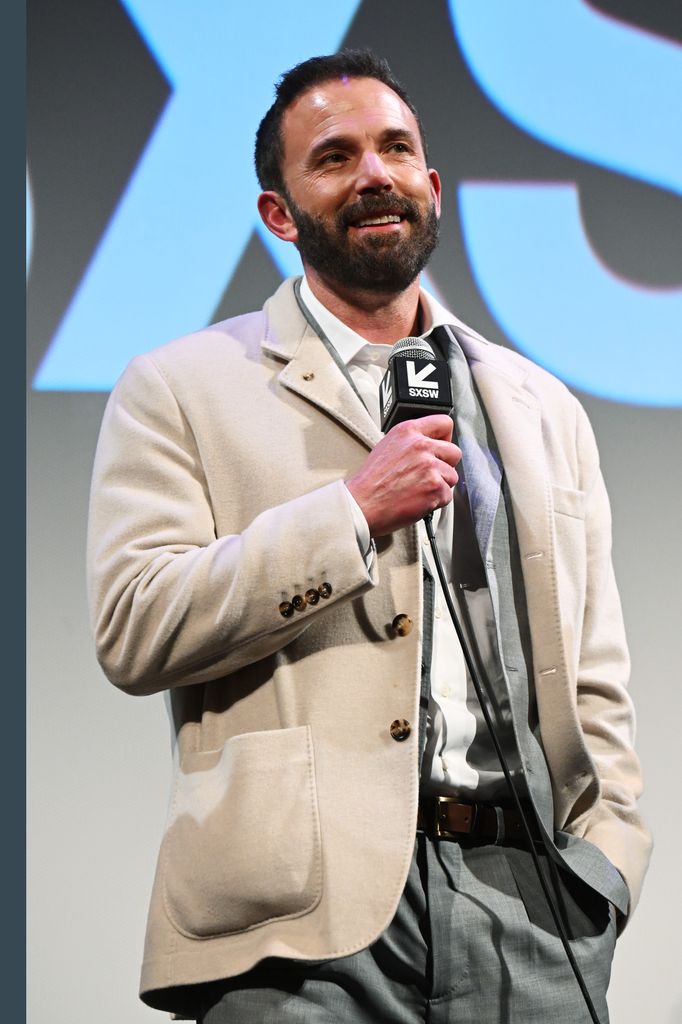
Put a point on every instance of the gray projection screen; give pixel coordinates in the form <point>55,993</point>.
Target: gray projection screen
<point>555,128</point>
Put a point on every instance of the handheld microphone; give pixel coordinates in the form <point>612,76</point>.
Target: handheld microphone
<point>416,383</point>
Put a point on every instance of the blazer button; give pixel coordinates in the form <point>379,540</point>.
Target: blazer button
<point>299,602</point>
<point>286,609</point>
<point>400,729</point>
<point>402,625</point>
<point>312,596</point>
<point>324,589</point>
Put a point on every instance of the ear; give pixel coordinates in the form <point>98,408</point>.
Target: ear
<point>434,178</point>
<point>275,215</point>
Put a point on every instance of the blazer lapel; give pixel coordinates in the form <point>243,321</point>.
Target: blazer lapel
<point>514,413</point>
<point>515,417</point>
<point>310,369</point>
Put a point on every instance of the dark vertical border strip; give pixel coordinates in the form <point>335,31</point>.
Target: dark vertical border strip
<point>13,503</point>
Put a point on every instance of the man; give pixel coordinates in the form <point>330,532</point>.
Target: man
<point>342,844</point>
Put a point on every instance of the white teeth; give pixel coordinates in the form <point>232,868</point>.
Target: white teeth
<point>390,218</point>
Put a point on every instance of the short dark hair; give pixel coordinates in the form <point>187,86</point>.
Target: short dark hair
<point>350,63</point>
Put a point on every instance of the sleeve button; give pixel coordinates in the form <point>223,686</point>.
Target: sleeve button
<point>286,609</point>
<point>312,596</point>
<point>324,589</point>
<point>400,729</point>
<point>299,602</point>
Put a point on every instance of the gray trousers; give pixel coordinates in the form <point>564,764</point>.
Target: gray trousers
<point>472,941</point>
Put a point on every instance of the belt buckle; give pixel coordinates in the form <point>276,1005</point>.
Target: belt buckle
<point>443,833</point>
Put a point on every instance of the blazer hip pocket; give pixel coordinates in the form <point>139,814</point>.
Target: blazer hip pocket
<point>242,846</point>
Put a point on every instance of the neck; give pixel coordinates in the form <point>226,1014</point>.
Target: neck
<point>376,316</point>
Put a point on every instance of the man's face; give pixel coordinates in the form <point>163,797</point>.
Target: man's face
<point>364,205</point>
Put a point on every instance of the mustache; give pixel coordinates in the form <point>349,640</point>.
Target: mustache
<point>378,206</point>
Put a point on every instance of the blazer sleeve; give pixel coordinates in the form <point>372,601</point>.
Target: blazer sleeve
<point>604,706</point>
<point>171,602</point>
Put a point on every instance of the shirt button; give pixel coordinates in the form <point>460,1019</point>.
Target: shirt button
<point>286,609</point>
<point>402,624</point>
<point>400,729</point>
<point>438,611</point>
<point>445,691</point>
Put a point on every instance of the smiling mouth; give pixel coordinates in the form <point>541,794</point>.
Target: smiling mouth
<point>372,222</point>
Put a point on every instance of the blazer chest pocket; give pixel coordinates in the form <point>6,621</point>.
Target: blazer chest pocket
<point>242,845</point>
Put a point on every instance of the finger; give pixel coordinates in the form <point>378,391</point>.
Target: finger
<point>441,497</point>
<point>447,452</point>
<point>439,475</point>
<point>437,426</point>
<point>450,476</point>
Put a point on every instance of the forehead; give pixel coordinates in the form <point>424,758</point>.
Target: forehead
<point>345,106</point>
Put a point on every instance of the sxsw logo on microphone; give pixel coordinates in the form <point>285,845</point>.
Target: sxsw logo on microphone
<point>413,388</point>
<point>418,381</point>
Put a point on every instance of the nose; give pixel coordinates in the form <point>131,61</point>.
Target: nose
<point>372,175</point>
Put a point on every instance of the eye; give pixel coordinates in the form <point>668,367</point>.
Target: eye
<point>333,158</point>
<point>400,147</point>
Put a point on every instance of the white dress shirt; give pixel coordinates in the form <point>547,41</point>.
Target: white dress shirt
<point>451,726</point>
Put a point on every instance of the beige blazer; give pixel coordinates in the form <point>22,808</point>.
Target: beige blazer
<point>217,496</point>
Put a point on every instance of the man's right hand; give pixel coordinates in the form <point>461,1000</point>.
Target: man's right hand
<point>409,473</point>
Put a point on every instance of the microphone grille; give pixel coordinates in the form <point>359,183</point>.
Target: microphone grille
<point>412,348</point>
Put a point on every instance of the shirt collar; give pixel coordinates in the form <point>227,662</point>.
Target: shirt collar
<point>349,343</point>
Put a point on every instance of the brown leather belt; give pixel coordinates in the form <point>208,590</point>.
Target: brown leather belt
<point>444,817</point>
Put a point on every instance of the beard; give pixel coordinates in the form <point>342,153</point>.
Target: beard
<point>381,262</point>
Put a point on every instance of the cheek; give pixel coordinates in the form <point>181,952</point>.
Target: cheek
<point>322,201</point>
<point>419,184</point>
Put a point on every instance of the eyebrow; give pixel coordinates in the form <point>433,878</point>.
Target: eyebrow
<point>331,142</point>
<point>399,135</point>
<point>344,142</point>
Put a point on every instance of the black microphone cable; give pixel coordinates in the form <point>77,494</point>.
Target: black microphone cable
<point>403,398</point>
<point>481,695</point>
